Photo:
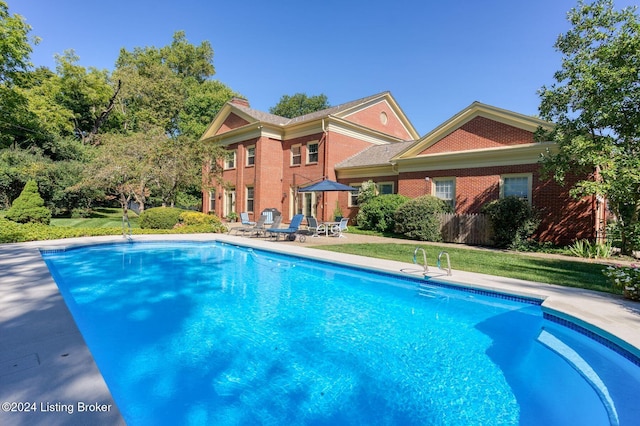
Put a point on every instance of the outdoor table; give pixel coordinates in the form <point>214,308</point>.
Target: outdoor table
<point>328,226</point>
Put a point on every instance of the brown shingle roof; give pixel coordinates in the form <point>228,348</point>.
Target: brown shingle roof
<point>283,121</point>
<point>374,155</point>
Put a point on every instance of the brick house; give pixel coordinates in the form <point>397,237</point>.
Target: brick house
<point>480,154</point>
<point>272,156</point>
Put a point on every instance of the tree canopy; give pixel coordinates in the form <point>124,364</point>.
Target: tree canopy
<point>299,104</point>
<point>88,135</point>
<point>595,106</point>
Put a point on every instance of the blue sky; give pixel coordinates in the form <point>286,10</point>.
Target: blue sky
<point>435,57</point>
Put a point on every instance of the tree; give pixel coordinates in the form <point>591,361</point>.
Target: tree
<point>595,106</point>
<point>29,206</point>
<point>15,49</point>
<point>169,87</point>
<point>87,94</point>
<point>299,104</point>
<point>14,44</point>
<point>122,167</point>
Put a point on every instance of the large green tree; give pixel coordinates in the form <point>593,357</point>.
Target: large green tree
<point>169,87</point>
<point>15,49</point>
<point>15,46</point>
<point>299,104</point>
<point>595,104</point>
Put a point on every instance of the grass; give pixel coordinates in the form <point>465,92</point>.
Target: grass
<point>563,272</point>
<point>100,218</point>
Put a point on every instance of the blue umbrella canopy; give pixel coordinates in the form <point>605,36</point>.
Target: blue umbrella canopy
<point>327,185</point>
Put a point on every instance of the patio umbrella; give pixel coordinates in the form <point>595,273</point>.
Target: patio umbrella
<point>327,185</point>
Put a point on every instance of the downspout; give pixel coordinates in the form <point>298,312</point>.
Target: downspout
<point>325,168</point>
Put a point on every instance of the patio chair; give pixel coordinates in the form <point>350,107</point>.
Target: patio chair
<point>257,228</point>
<point>291,231</point>
<point>275,225</point>
<point>315,227</point>
<point>337,230</point>
<point>271,213</point>
<point>244,219</point>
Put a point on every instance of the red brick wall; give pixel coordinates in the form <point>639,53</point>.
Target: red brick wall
<point>563,219</point>
<point>480,133</point>
<point>370,117</point>
<point>232,122</point>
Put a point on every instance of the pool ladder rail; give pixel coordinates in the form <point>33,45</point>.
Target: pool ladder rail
<point>424,260</point>
<point>126,225</point>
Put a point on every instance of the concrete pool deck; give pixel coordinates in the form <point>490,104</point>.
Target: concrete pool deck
<point>46,367</point>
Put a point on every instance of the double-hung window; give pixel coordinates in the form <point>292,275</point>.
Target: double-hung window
<point>251,155</point>
<point>312,152</point>
<point>353,196</point>
<point>249,199</point>
<point>296,157</point>
<point>445,189</point>
<point>230,160</point>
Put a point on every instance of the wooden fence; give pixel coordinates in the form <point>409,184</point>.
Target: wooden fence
<point>473,229</point>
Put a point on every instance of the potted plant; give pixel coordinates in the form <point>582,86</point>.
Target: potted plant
<point>625,279</point>
<point>232,217</point>
<point>337,212</point>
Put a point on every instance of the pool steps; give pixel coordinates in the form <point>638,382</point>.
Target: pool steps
<point>555,343</point>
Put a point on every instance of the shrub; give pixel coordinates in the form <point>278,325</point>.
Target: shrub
<point>367,192</point>
<point>418,218</point>
<point>625,280</point>
<point>584,248</point>
<point>513,220</point>
<point>29,206</point>
<point>205,222</point>
<point>160,218</point>
<point>631,233</point>
<point>378,214</point>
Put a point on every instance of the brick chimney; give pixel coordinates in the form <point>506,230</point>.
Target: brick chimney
<point>240,101</point>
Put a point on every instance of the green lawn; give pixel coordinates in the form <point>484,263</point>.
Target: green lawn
<point>100,218</point>
<point>563,272</point>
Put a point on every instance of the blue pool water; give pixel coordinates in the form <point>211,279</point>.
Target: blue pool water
<point>206,333</point>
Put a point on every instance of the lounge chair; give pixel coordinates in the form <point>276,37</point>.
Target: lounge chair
<point>290,232</point>
<point>337,230</point>
<point>244,219</point>
<point>313,226</point>
<point>275,225</point>
<point>257,228</point>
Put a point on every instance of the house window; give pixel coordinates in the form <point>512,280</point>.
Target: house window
<point>312,152</point>
<point>445,189</point>
<point>295,155</point>
<point>230,160</point>
<point>385,188</point>
<point>249,200</point>
<point>353,196</point>
<point>516,185</point>
<point>251,155</point>
<point>212,201</point>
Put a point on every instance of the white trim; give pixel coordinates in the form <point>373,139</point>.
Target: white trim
<point>247,156</point>
<point>234,155</point>
<point>299,155</point>
<point>453,189</point>
<point>317,144</point>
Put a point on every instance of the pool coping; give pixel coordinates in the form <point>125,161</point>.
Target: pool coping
<point>44,359</point>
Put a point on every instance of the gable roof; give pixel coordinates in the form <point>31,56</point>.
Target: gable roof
<point>476,109</point>
<point>256,117</point>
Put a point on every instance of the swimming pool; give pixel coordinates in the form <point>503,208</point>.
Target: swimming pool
<point>209,333</point>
